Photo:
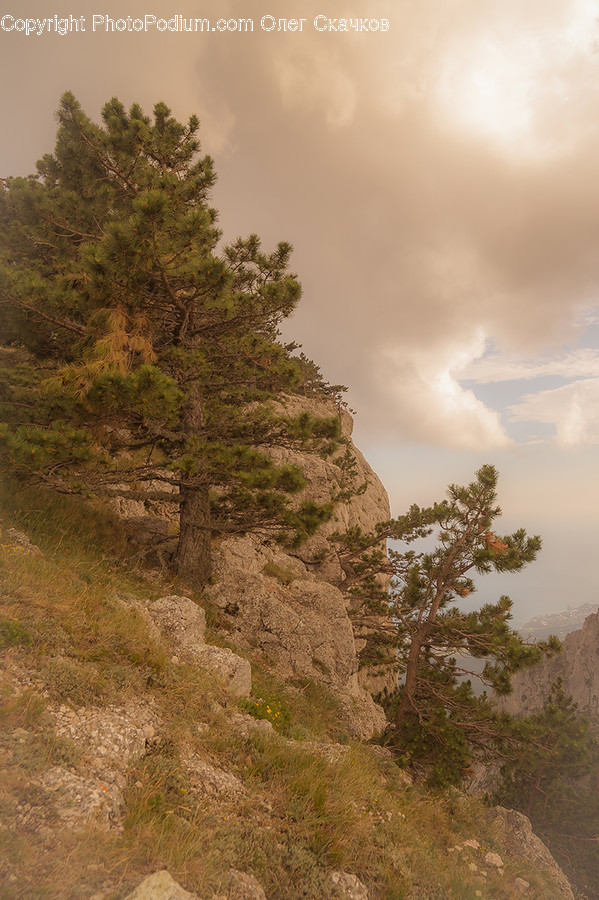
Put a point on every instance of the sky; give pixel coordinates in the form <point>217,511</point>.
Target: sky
<point>439,181</point>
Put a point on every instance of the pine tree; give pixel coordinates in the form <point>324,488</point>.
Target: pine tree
<point>150,358</point>
<point>436,713</point>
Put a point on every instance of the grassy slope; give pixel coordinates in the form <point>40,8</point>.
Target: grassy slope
<point>302,816</point>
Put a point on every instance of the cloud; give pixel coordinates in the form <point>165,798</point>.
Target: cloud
<point>310,78</point>
<point>417,227</point>
<point>583,362</point>
<point>427,403</point>
<point>573,409</point>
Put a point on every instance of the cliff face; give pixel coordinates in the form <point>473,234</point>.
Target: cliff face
<point>292,608</point>
<point>577,666</point>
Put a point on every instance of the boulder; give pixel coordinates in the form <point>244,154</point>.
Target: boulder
<point>182,623</point>
<point>209,781</point>
<point>160,886</point>
<point>232,670</point>
<point>348,887</point>
<point>242,886</point>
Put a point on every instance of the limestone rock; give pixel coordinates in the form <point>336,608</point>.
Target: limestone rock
<point>514,833</point>
<point>208,780</point>
<point>322,475</point>
<point>183,624</point>
<point>301,623</point>
<point>232,670</point>
<point>80,801</point>
<point>21,543</point>
<point>160,886</point>
<point>126,508</point>
<point>577,665</point>
<point>110,736</point>
<point>348,887</point>
<point>245,725</point>
<point>290,604</point>
<point>243,886</point>
<point>180,620</point>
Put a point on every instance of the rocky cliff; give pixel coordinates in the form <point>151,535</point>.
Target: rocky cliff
<point>290,605</point>
<point>577,666</point>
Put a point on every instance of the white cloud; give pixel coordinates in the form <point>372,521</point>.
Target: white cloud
<point>580,363</point>
<point>432,407</point>
<point>508,71</point>
<point>573,409</point>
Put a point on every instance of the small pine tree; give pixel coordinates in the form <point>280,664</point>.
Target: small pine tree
<point>436,714</point>
<point>151,359</point>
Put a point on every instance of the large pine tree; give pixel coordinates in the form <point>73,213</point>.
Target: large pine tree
<point>134,351</point>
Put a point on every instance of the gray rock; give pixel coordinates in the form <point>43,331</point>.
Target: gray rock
<point>210,781</point>
<point>232,670</point>
<point>160,886</point>
<point>180,620</point>
<point>514,833</point>
<point>127,509</point>
<point>21,541</point>
<point>302,626</point>
<point>243,886</point>
<point>110,736</point>
<point>182,623</point>
<point>80,802</point>
<point>348,887</point>
<point>245,725</point>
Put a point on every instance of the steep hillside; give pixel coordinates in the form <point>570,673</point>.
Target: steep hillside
<point>136,741</point>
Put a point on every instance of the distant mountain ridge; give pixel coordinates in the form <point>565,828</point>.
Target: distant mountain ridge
<point>577,666</point>
<point>560,624</point>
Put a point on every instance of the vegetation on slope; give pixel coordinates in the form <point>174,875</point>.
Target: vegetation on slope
<point>68,640</point>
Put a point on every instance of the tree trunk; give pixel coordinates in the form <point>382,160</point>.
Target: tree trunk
<point>406,705</point>
<point>194,560</point>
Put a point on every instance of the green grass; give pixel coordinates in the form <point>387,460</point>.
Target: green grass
<point>303,816</point>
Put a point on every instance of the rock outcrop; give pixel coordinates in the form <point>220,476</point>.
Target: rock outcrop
<point>323,476</point>
<point>181,623</point>
<point>577,666</point>
<point>514,832</point>
<point>291,606</point>
<point>301,624</point>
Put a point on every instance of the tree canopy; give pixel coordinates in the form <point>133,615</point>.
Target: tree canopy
<point>134,350</point>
